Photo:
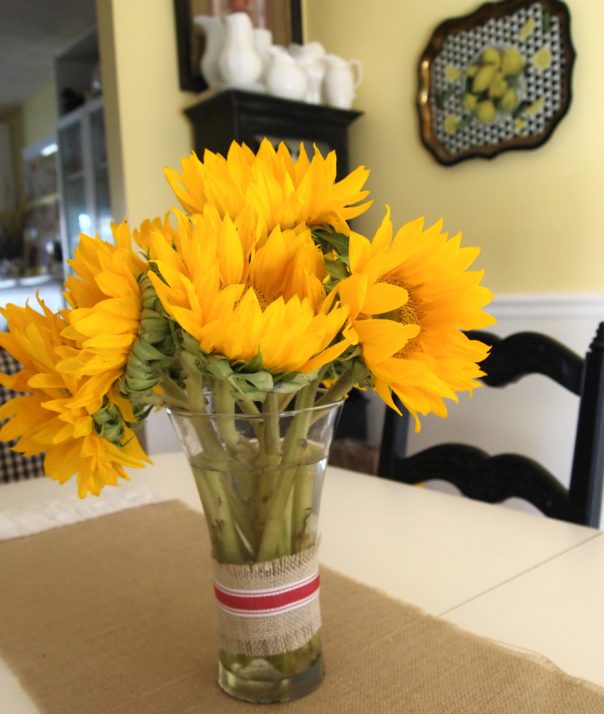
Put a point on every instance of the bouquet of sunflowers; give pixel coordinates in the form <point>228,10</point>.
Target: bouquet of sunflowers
<point>255,301</point>
<point>260,286</point>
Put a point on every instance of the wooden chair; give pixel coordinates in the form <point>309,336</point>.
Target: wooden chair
<point>496,478</point>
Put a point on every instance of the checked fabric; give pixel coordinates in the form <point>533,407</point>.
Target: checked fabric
<point>13,465</point>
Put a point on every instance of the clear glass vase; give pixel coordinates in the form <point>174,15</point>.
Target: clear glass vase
<point>260,476</point>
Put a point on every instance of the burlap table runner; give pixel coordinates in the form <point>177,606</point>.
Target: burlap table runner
<point>116,615</point>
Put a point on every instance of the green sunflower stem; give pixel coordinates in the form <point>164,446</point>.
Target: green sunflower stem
<point>271,436</point>
<point>210,510</point>
<point>270,447</point>
<point>225,415</point>
<point>211,483</point>
<point>174,397</point>
<point>302,507</point>
<point>338,390</point>
<point>293,448</point>
<point>248,407</point>
<point>239,454</point>
<point>232,549</point>
<point>257,493</point>
<point>197,405</point>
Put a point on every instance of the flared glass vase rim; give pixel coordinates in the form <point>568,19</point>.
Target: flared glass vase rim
<point>316,408</point>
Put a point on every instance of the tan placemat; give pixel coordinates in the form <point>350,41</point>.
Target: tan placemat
<point>115,615</point>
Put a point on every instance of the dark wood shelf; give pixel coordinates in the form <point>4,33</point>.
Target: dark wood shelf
<point>233,114</point>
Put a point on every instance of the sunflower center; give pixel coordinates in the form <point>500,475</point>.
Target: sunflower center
<point>407,314</point>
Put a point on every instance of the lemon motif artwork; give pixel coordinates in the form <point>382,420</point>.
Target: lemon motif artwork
<point>493,83</point>
<point>542,59</point>
<point>498,78</point>
<point>527,29</point>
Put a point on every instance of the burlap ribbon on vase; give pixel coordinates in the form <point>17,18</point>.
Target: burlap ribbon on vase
<point>268,608</point>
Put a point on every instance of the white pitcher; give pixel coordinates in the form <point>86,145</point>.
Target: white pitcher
<point>285,78</point>
<point>239,63</point>
<point>213,30</point>
<point>342,79</point>
<point>307,52</point>
<point>310,57</point>
<point>263,41</point>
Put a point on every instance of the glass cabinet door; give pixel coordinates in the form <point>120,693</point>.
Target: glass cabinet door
<point>71,149</point>
<point>71,157</point>
<point>86,206</point>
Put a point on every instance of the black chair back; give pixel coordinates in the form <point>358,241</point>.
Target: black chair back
<point>496,478</point>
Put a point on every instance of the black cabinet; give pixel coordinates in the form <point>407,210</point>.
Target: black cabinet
<point>249,117</point>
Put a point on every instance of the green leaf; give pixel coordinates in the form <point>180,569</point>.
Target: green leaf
<point>521,108</point>
<point>350,353</point>
<point>190,344</point>
<point>293,381</point>
<point>442,97</point>
<point>466,120</point>
<point>331,240</point>
<point>260,380</point>
<point>360,374</point>
<point>337,269</point>
<point>219,368</point>
<point>253,365</point>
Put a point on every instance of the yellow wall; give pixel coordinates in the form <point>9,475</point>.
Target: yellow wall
<point>145,125</point>
<point>536,214</point>
<point>31,122</point>
<point>40,116</point>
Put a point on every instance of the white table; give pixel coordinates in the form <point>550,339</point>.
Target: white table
<point>524,580</point>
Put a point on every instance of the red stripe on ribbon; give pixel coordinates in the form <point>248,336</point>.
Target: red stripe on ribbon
<point>271,600</point>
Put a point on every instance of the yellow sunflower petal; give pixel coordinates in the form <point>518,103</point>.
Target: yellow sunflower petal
<point>419,353</point>
<point>57,417</point>
<point>270,185</point>
<point>384,297</point>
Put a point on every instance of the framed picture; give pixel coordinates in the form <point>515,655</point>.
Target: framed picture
<point>494,80</point>
<point>282,17</point>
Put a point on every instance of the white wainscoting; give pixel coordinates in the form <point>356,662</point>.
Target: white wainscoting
<point>533,416</point>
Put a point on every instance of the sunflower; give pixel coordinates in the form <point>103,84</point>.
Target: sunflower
<point>410,297</point>
<point>57,413</point>
<point>290,336</point>
<point>270,188</point>
<point>214,251</point>
<point>105,300</point>
<point>238,300</point>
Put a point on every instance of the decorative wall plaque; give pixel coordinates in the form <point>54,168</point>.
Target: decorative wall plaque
<point>497,79</point>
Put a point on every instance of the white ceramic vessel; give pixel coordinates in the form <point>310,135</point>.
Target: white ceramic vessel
<point>311,58</point>
<point>240,65</point>
<point>263,41</point>
<point>285,77</point>
<point>342,80</point>
<point>213,30</point>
